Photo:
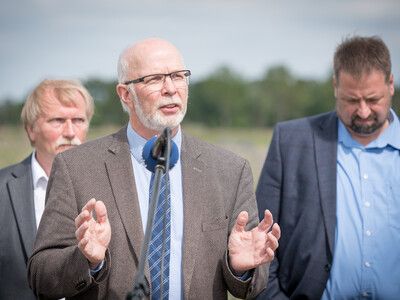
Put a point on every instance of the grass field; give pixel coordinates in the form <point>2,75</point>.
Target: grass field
<point>251,144</point>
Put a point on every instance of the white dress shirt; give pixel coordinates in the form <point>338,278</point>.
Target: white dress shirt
<point>40,180</point>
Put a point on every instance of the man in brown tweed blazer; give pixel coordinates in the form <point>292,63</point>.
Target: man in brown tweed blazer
<point>220,246</point>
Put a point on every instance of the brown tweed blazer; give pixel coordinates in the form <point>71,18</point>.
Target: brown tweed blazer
<point>217,185</point>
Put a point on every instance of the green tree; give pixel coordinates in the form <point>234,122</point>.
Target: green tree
<point>219,100</point>
<point>10,113</point>
<point>108,109</point>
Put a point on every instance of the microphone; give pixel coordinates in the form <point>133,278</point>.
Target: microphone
<point>156,146</point>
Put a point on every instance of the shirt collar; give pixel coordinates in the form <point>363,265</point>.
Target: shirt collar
<point>136,142</point>
<point>37,171</point>
<point>389,137</point>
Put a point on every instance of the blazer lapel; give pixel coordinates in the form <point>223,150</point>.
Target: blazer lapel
<point>194,186</point>
<point>325,138</point>
<point>21,194</point>
<point>122,181</point>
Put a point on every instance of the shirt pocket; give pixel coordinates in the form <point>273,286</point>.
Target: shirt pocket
<point>394,205</point>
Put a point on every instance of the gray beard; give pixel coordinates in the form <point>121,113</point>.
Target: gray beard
<point>155,121</point>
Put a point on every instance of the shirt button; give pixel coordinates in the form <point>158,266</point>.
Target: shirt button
<point>367,204</point>
<point>368,232</point>
<point>327,267</point>
<point>367,264</point>
<point>365,176</point>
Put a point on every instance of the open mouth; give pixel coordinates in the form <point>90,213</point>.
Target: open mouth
<point>170,108</point>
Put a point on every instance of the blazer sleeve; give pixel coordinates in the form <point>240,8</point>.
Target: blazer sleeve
<point>245,200</point>
<point>268,195</point>
<point>56,254</point>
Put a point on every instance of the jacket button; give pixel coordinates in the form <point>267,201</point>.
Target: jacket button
<point>327,267</point>
<point>80,285</point>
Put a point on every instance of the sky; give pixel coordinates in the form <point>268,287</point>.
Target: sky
<point>82,39</point>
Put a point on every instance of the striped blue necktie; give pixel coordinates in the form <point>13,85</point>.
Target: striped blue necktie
<point>155,247</point>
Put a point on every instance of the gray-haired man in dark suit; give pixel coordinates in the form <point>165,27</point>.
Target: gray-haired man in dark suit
<point>56,116</point>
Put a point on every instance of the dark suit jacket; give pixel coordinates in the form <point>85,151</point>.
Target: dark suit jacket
<point>298,185</point>
<point>18,229</point>
<point>217,185</point>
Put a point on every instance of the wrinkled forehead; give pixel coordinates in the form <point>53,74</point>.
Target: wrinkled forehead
<point>152,58</point>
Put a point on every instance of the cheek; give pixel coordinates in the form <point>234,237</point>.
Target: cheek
<point>48,137</point>
<point>345,111</point>
<point>81,133</point>
<point>183,95</point>
<point>53,136</point>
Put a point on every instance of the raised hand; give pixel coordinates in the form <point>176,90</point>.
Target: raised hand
<point>93,235</point>
<point>250,249</point>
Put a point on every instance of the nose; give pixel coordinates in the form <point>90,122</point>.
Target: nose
<point>68,130</point>
<point>169,87</point>
<point>363,110</point>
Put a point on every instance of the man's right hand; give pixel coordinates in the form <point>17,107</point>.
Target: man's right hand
<point>93,236</point>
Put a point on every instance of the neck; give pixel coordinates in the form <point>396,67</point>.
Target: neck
<point>45,162</point>
<point>147,133</point>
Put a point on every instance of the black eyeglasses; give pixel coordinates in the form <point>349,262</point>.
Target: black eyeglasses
<point>156,81</point>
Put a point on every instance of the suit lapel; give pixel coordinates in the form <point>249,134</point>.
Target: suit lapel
<point>325,138</point>
<point>122,181</point>
<point>194,187</point>
<point>20,190</point>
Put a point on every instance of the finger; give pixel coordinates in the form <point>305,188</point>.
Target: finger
<point>276,231</point>
<point>86,213</point>
<point>266,223</point>
<point>272,241</point>
<point>89,205</point>
<point>101,212</point>
<point>241,221</point>
<point>82,244</point>
<point>84,216</point>
<point>81,231</point>
<point>270,253</point>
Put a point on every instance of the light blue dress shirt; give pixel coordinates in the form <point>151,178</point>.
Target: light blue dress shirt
<point>142,179</point>
<point>366,262</point>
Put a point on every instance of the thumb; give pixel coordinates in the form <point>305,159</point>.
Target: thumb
<point>101,212</point>
<point>241,221</point>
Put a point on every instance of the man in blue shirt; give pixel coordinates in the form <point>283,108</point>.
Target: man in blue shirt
<point>333,183</point>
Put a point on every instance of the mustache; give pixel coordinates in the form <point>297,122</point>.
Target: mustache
<point>371,117</point>
<point>68,142</point>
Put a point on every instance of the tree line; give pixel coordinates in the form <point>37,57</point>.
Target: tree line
<point>223,99</point>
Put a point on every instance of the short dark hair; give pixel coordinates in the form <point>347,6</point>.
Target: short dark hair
<point>357,55</point>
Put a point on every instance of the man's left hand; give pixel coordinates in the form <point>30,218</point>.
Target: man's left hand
<point>250,249</point>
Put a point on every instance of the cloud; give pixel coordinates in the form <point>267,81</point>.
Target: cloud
<point>83,39</point>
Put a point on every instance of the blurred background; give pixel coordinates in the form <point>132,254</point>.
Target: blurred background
<point>253,63</point>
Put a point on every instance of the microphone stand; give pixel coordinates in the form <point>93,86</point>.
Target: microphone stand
<point>140,286</point>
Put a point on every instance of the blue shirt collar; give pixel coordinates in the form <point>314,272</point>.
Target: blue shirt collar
<point>136,142</point>
<point>389,137</point>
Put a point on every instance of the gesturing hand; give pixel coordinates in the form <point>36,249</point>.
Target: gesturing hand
<point>250,249</point>
<point>93,236</point>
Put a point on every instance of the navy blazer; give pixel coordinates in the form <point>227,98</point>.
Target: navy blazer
<point>18,229</point>
<point>298,185</point>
